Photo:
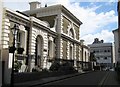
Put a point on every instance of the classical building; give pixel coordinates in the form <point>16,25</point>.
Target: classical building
<point>103,52</point>
<point>116,45</point>
<point>85,55</point>
<point>66,27</point>
<point>45,34</point>
<point>1,8</point>
<point>117,37</point>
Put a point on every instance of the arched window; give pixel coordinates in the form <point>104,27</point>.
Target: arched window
<point>85,56</point>
<point>38,50</point>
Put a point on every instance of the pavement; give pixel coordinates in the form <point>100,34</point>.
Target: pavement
<point>47,80</point>
<point>111,79</point>
<point>81,78</point>
<point>97,78</point>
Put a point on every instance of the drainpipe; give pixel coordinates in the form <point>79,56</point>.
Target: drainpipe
<point>82,57</point>
<point>28,37</point>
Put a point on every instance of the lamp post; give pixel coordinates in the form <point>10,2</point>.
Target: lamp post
<point>14,31</point>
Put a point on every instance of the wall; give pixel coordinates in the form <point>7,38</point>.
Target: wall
<point>0,41</point>
<point>0,18</point>
<point>116,45</point>
<point>0,73</point>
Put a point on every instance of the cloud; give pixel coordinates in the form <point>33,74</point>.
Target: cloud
<point>62,0</point>
<point>105,35</point>
<point>93,23</point>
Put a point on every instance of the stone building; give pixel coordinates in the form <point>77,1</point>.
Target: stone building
<point>1,8</point>
<point>85,56</point>
<point>66,27</point>
<point>45,34</point>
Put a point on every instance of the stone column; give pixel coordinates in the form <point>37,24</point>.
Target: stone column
<point>74,55</point>
<point>68,50</point>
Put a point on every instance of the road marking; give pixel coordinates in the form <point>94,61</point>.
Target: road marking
<point>103,80</point>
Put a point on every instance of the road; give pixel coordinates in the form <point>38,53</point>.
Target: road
<point>99,78</point>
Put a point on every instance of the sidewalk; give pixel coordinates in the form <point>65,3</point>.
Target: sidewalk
<point>111,79</point>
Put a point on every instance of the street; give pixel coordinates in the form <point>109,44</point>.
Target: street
<point>99,78</point>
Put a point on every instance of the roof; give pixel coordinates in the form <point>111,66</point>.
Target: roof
<point>115,30</point>
<point>100,45</point>
<point>53,7</point>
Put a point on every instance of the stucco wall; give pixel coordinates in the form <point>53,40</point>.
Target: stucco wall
<point>76,31</point>
<point>65,25</point>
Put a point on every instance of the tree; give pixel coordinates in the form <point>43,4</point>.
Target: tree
<point>55,66</point>
<point>92,56</point>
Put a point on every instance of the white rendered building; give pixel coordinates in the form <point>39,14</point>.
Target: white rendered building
<point>103,52</point>
<point>116,45</point>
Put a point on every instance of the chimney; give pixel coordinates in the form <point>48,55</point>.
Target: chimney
<point>34,5</point>
<point>102,41</point>
<point>82,42</point>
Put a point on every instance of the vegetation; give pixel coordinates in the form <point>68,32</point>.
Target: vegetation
<point>65,67</point>
<point>92,56</point>
<point>55,66</point>
<point>17,65</point>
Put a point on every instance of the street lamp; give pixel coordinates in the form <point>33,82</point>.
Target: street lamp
<point>15,30</point>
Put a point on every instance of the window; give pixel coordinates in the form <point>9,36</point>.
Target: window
<point>98,58</point>
<point>71,34</point>
<point>105,51</point>
<point>19,39</point>
<point>105,58</point>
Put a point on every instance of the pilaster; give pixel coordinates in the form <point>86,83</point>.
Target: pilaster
<point>68,46</point>
<point>5,33</point>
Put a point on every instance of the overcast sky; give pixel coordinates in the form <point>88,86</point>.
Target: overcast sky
<point>99,17</point>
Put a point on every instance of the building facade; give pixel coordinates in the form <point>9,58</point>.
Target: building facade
<point>85,55</point>
<point>117,37</point>
<point>116,45</point>
<point>45,35</point>
<point>103,53</point>
<point>66,43</point>
<point>1,10</point>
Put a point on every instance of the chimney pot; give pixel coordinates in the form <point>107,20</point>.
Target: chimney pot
<point>34,5</point>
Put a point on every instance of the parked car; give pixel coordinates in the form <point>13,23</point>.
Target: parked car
<point>112,69</point>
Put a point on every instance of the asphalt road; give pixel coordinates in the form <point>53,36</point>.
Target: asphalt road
<point>93,78</point>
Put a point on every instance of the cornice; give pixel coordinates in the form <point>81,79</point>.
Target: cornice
<point>59,8</point>
<point>17,17</point>
<point>70,39</point>
<point>68,13</point>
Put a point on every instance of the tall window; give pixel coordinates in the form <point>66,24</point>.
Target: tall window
<point>38,50</point>
<point>71,34</point>
<point>19,38</point>
<point>49,48</point>
<point>85,56</point>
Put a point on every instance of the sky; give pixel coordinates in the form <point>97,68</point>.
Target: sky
<point>99,17</point>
